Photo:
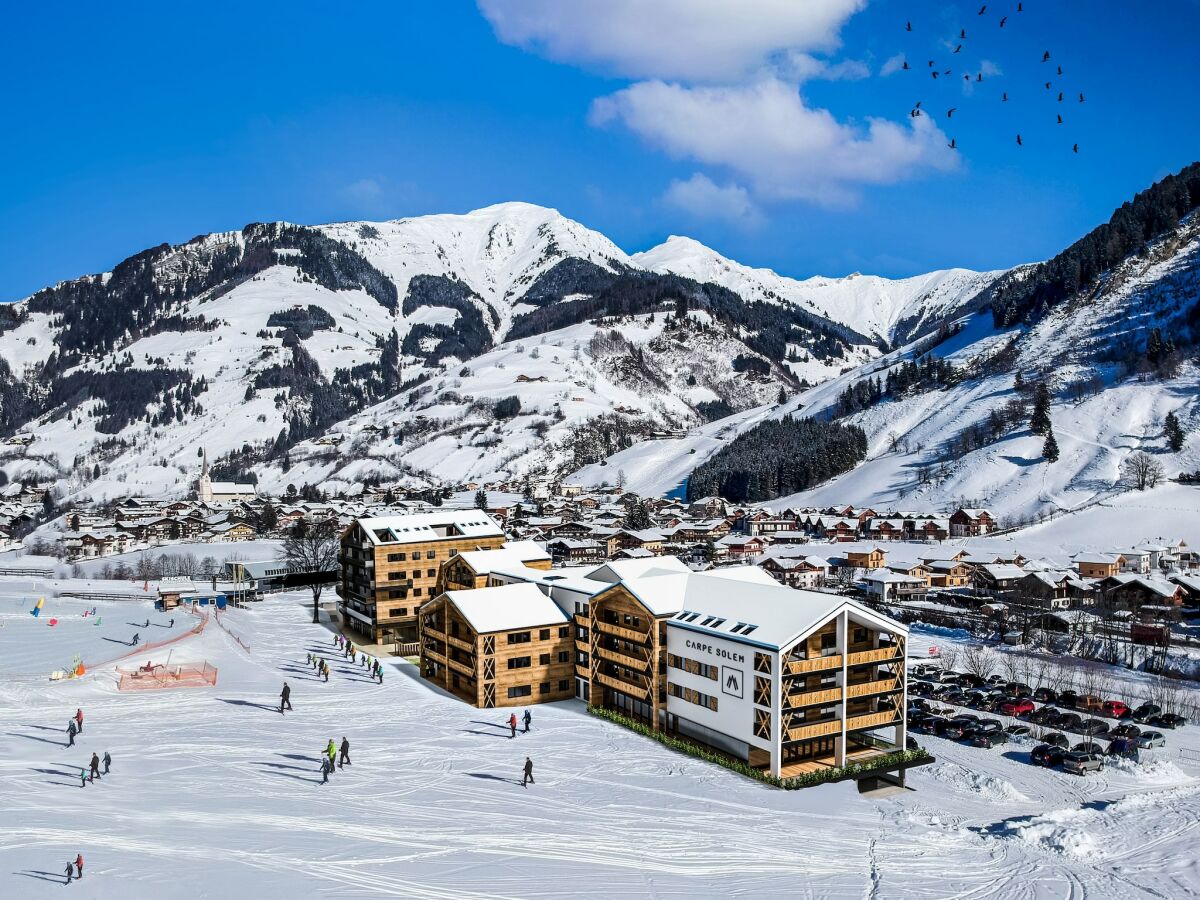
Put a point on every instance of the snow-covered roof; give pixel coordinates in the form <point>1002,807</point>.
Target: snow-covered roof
<point>514,553</point>
<point>506,608</point>
<point>430,526</point>
<point>887,576</point>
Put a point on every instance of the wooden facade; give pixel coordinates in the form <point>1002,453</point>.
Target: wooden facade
<point>627,656</point>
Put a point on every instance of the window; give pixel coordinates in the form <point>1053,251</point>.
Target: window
<point>398,611</point>
<point>544,634</point>
<point>860,635</point>
<point>416,592</point>
<point>453,552</point>
<point>544,687</point>
<point>430,554</point>
<point>829,640</point>
<point>564,685</point>
<point>395,557</point>
<point>520,662</point>
<point>564,655</point>
<point>565,631</point>
<point>519,637</point>
<point>392,595</point>
<point>688,695</point>
<point>431,573</point>
<point>395,576</point>
<point>524,690</point>
<point>544,659</point>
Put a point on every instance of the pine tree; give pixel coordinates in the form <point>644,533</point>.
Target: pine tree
<point>1050,448</point>
<point>1174,432</point>
<point>481,499</point>
<point>1039,421</point>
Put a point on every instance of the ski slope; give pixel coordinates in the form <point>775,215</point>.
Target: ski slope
<point>215,794</point>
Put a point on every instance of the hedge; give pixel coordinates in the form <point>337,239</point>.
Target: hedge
<point>809,779</point>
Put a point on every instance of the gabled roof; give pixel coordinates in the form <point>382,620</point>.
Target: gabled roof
<point>506,608</point>
<point>514,553</point>
<point>424,526</point>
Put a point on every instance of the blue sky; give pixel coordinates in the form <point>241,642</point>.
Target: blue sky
<point>747,127</point>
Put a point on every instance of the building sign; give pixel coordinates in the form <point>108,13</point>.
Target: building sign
<point>720,652</point>
<point>731,681</point>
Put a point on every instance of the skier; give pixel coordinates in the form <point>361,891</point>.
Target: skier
<point>310,660</point>
<point>147,625</point>
<point>171,624</point>
<point>528,779</point>
<point>331,752</point>
<point>345,753</point>
<point>136,639</point>
<point>325,670</point>
<point>528,718</point>
<point>79,865</point>
<point>71,732</point>
<point>107,762</point>
<point>285,698</point>
<point>70,872</point>
<point>79,719</point>
<point>83,777</point>
<point>325,767</point>
<point>95,768</point>
<point>512,724</point>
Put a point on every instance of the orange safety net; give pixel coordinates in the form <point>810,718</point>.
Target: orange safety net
<point>159,677</point>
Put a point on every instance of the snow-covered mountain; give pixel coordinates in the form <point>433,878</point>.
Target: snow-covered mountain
<point>880,307</point>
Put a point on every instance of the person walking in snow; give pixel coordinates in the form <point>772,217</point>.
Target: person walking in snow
<point>70,872</point>
<point>83,777</point>
<point>285,698</point>
<point>79,719</point>
<point>528,718</point>
<point>95,768</point>
<point>325,670</point>
<point>136,639</point>
<point>331,752</point>
<point>344,750</point>
<point>107,762</point>
<point>528,779</point>
<point>147,625</point>
<point>326,765</point>
<point>71,732</point>
<point>171,624</point>
<point>79,865</point>
<point>308,659</point>
<point>512,724</point>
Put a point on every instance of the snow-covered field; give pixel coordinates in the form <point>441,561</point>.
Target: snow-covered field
<point>214,793</point>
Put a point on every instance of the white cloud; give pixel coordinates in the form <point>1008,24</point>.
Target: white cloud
<point>703,198</point>
<point>847,70</point>
<point>893,65</point>
<point>768,136</point>
<point>688,40</point>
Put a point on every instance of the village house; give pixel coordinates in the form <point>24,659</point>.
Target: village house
<point>971,523</point>
<point>1099,565</point>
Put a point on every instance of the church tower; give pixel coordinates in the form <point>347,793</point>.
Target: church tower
<point>204,491</point>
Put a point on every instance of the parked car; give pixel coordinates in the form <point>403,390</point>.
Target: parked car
<point>1086,747</point>
<point>1046,755</point>
<point>1123,747</point>
<point>945,676</point>
<point>995,679</point>
<point>937,725</point>
<point>975,698</point>
<point>960,725</point>
<point>988,739</point>
<point>1045,715</point>
<point>1116,709</point>
<point>1094,727</point>
<point>944,711</point>
<point>920,688</point>
<point>1150,739</point>
<point>1126,730</point>
<point>1019,730</point>
<point>1146,712</point>
<point>1020,707</point>
<point>1082,763</point>
<point>1070,722</point>
<point>1067,699</point>
<point>1045,695</point>
<point>918,703</point>
<point>1056,739</point>
<point>1018,689</point>
<point>924,670</point>
<point>1167,720</point>
<point>1089,703</point>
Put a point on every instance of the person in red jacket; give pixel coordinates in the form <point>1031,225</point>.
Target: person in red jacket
<point>79,866</point>
<point>512,724</point>
<point>79,719</point>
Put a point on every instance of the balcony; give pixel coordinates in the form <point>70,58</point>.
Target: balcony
<point>620,631</point>
<point>582,671</point>
<point>816,664</point>
<point>460,643</point>
<point>866,688</point>
<point>622,659</point>
<point>812,698</point>
<point>873,720</point>
<point>461,668</point>
<point>581,620</point>
<point>815,730</point>
<point>625,687</point>
<point>434,654</point>
<point>882,654</point>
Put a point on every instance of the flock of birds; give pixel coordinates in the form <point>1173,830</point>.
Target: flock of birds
<point>937,71</point>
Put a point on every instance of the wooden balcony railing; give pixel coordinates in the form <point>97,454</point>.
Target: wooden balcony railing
<point>866,688</point>
<point>797,699</point>
<point>883,654</point>
<point>461,668</point>
<point>460,643</point>
<point>433,654</point>
<point>816,664</point>
<point>582,671</point>
<point>873,720</point>
<point>817,729</point>
<point>623,659</point>
<point>633,690</point>
<point>620,631</point>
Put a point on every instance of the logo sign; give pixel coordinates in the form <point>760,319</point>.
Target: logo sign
<point>731,681</point>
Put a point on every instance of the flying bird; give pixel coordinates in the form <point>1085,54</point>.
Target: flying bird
<point>1020,143</point>
<point>1020,7</point>
<point>1060,121</point>
<point>905,66</point>
<point>915,113</point>
<point>950,112</point>
<point>1060,71</point>
<point>963,34</point>
<point>1060,97</point>
<point>966,78</point>
<point>1047,85</point>
<point>935,73</point>
<point>1081,100</point>
<point>931,64</point>
<point>1075,149</point>
<point>1046,56</point>
<point>958,49</point>
<point>1004,99</point>
<point>979,77</point>
<point>983,9</point>
<point>908,26</point>
<point>953,145</point>
<point>1003,19</point>
<point>948,72</point>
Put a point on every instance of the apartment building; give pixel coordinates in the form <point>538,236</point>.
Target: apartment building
<point>391,565</point>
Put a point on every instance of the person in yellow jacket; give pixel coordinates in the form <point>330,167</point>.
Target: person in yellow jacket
<point>331,752</point>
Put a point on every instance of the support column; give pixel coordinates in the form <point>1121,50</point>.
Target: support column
<point>843,646</point>
<point>777,711</point>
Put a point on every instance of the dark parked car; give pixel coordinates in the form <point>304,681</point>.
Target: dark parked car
<point>920,688</point>
<point>969,680</point>
<point>1018,689</point>
<point>1146,712</point>
<point>1070,722</point>
<point>1045,695</point>
<point>1094,727</point>
<point>989,739</point>
<point>1046,755</point>
<point>1123,747</point>
<point>1086,747</point>
<point>1167,720</point>
<point>1045,715</point>
<point>960,725</point>
<point>937,725</point>
<point>1127,730</point>
<point>1068,699</point>
<point>1056,739</point>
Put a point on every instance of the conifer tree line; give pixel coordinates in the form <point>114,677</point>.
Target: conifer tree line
<point>914,376</point>
<point>777,458</point>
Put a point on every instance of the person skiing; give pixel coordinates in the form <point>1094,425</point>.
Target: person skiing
<point>171,624</point>
<point>83,777</point>
<point>331,752</point>
<point>325,670</point>
<point>325,767</point>
<point>512,724</point>
<point>528,779</point>
<point>79,719</point>
<point>285,698</point>
<point>528,718</point>
<point>107,762</point>
<point>71,732</point>
<point>136,639</point>
<point>95,768</point>
<point>378,671</point>
<point>79,865</point>
<point>344,759</point>
<point>70,872</point>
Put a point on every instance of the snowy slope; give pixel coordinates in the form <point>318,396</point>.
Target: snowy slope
<point>867,303</point>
